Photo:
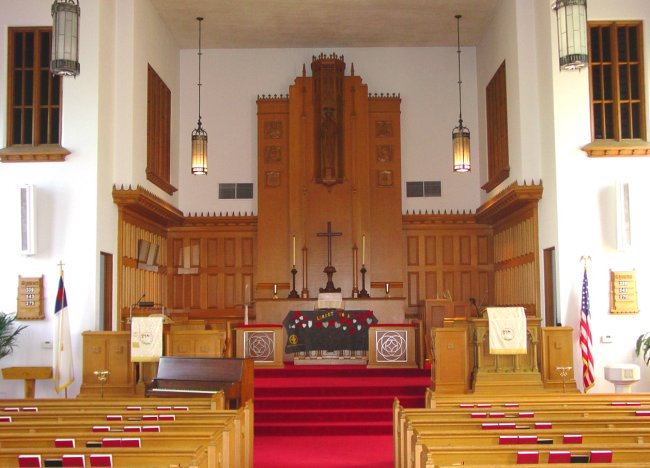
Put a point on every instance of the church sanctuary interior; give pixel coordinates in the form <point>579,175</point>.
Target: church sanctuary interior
<point>324,233</point>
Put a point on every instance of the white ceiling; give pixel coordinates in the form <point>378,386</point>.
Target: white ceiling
<point>325,23</point>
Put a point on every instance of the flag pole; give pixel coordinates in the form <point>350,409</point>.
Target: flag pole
<point>61,265</point>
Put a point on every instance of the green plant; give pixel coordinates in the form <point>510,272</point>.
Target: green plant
<point>643,343</point>
<point>8,334</point>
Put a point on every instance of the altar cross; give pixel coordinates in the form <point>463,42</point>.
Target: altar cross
<point>329,234</point>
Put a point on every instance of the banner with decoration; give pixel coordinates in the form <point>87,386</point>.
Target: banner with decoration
<point>328,330</point>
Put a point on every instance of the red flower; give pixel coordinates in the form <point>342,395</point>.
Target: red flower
<point>319,324</point>
<point>352,331</point>
<point>296,314</point>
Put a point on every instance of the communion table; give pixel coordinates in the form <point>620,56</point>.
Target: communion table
<point>328,336</point>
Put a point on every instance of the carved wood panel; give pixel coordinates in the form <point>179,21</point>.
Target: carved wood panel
<point>452,262</point>
<point>222,269</point>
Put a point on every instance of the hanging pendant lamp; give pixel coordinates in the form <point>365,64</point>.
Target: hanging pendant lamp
<point>199,135</point>
<point>65,38</point>
<point>571,18</point>
<point>460,134</point>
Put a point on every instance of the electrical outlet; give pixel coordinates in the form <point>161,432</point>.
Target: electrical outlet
<point>47,345</point>
<point>606,339</point>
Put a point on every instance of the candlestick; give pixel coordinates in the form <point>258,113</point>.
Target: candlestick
<point>246,314</point>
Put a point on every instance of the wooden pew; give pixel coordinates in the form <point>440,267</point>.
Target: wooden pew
<point>233,427</point>
<point>215,402</point>
<point>121,457</point>
<point>501,454</point>
<point>434,400</point>
<point>410,423</point>
<point>236,426</point>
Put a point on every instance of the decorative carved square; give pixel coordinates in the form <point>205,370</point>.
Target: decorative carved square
<point>383,129</point>
<point>273,129</point>
<point>384,153</point>
<point>391,345</point>
<point>259,345</point>
<point>273,179</point>
<point>385,178</point>
<point>273,154</point>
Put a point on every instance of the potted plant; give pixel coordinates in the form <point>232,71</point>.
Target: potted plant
<point>8,334</point>
<point>643,344</point>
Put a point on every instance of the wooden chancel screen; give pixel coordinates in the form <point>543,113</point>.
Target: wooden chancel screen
<point>328,152</point>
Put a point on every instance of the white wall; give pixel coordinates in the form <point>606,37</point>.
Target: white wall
<point>549,121</point>
<point>426,79</point>
<point>104,127</point>
<point>586,211</point>
<point>66,208</point>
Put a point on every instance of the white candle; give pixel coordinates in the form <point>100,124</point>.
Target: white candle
<point>246,314</point>
<point>275,288</point>
<point>363,250</point>
<point>387,288</point>
<point>247,297</point>
<point>294,251</point>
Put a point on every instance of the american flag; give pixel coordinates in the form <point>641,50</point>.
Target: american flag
<point>585,337</point>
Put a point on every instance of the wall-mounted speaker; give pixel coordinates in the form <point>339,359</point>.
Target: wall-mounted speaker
<point>623,216</point>
<point>27,220</point>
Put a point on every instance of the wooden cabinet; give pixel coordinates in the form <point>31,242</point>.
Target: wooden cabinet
<point>107,351</point>
<point>450,360</point>
<point>195,343</point>
<point>557,353</point>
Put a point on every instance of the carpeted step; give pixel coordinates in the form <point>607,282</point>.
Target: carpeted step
<point>345,401</point>
<point>340,371</point>
<point>328,415</point>
<point>330,391</point>
<point>333,400</point>
<point>322,429</point>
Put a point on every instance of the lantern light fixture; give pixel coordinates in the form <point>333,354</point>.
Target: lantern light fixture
<point>65,38</point>
<point>571,18</point>
<point>460,137</point>
<point>199,135</point>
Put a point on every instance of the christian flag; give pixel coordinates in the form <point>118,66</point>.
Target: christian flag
<point>63,366</point>
<point>585,337</point>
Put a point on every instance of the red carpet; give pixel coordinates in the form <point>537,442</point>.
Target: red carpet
<point>348,408</point>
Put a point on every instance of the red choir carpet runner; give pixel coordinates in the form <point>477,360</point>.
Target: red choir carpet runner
<point>330,416</point>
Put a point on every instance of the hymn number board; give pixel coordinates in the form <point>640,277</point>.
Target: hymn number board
<point>623,292</point>
<point>30,298</point>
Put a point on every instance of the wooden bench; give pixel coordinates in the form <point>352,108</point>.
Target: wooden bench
<point>131,457</point>
<point>451,424</point>
<point>234,427</point>
<point>226,435</point>
<point>434,400</point>
<point>500,454</point>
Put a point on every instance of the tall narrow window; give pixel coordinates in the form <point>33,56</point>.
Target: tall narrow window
<point>159,99</point>
<point>616,74</point>
<point>33,97</point>
<point>496,107</point>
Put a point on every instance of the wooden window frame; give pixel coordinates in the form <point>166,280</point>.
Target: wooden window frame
<point>496,110</point>
<point>34,150</point>
<point>158,132</point>
<point>615,144</point>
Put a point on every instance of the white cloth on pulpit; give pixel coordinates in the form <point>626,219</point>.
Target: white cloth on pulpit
<point>507,330</point>
<point>146,338</point>
<point>330,301</point>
